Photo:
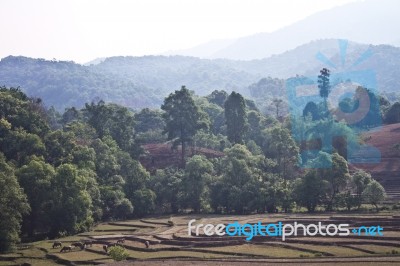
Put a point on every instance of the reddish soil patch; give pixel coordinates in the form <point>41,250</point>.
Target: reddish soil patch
<point>387,140</point>
<point>158,156</point>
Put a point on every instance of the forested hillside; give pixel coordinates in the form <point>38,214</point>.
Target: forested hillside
<point>66,84</point>
<point>138,82</point>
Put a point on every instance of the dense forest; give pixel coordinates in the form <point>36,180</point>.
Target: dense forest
<point>61,173</point>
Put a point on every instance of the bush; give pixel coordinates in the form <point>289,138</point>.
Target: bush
<point>118,253</point>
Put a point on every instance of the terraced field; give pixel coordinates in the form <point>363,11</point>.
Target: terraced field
<point>170,243</point>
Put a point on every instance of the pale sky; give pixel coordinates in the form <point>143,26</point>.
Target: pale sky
<point>82,30</point>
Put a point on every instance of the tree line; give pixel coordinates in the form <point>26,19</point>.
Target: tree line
<point>62,173</point>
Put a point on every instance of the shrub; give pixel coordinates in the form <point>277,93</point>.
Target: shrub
<point>118,253</point>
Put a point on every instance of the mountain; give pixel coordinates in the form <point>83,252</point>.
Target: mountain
<point>64,84</point>
<point>203,50</point>
<point>139,82</point>
<point>168,73</point>
<point>370,21</point>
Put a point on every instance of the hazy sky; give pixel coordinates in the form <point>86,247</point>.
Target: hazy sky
<point>87,29</point>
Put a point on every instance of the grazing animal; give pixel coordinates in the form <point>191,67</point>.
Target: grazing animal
<point>57,244</point>
<point>122,240</point>
<point>66,248</point>
<point>147,243</point>
<point>88,243</point>
<point>105,248</point>
<point>78,245</point>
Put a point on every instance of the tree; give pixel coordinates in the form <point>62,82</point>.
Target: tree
<point>374,193</point>
<point>148,119</point>
<point>360,180</point>
<point>197,175</point>
<point>241,177</point>
<point>278,104</point>
<point>144,200</point>
<point>311,109</point>
<point>218,97</point>
<point>72,204</point>
<point>393,114</point>
<point>183,119</point>
<point>309,191</point>
<point>324,85</point>
<point>36,178</point>
<point>236,119</point>
<point>281,147</point>
<point>166,183</point>
<point>116,121</point>
<point>337,175</point>
<point>13,205</point>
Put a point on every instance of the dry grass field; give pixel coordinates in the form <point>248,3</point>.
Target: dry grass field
<point>171,245</point>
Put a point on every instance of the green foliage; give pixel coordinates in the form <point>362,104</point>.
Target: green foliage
<point>279,145</point>
<point>149,126</point>
<point>183,118</point>
<point>36,179</point>
<point>115,121</point>
<point>239,189</point>
<point>337,176</point>
<point>13,205</point>
<point>118,253</point>
<point>311,109</point>
<point>84,168</point>
<point>218,97</point>
<point>64,84</point>
<point>360,180</point>
<point>393,114</point>
<point>197,175</point>
<point>71,202</point>
<point>324,84</point>
<point>144,200</point>
<point>236,120</point>
<point>309,191</point>
<point>374,193</point>
<point>167,184</point>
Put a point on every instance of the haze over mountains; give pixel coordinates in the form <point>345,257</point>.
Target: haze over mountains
<point>144,81</point>
<point>370,21</point>
<point>140,82</point>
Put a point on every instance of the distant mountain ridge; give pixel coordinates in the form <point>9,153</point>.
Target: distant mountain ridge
<point>370,21</point>
<point>139,82</point>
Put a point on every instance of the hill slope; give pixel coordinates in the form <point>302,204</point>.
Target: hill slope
<point>368,21</point>
<point>139,82</point>
<point>387,140</point>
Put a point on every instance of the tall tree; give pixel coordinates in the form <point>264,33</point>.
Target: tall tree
<point>13,205</point>
<point>236,119</point>
<point>36,178</point>
<point>183,118</point>
<point>278,104</point>
<point>72,204</point>
<point>324,84</point>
